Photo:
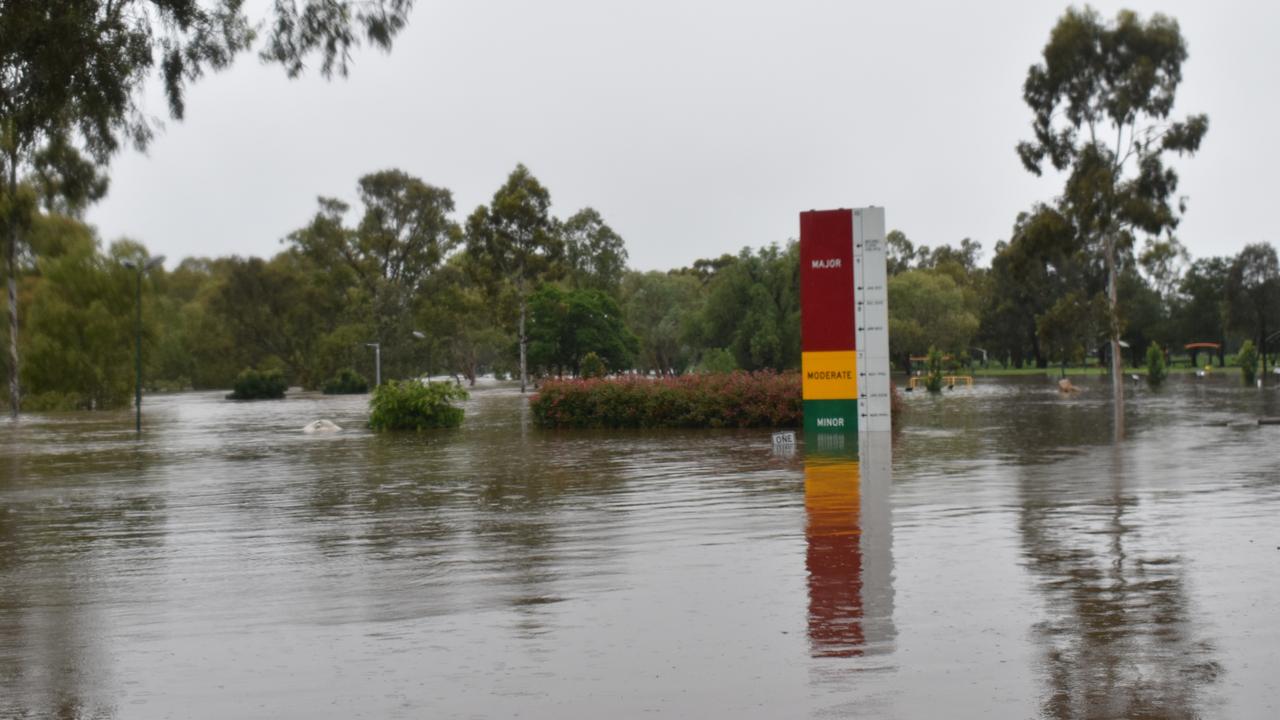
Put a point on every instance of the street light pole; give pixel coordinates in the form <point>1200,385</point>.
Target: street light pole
<point>137,334</point>
<point>422,336</point>
<point>377,363</point>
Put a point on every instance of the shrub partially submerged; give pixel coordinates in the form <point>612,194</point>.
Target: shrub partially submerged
<point>346,382</point>
<point>1247,359</point>
<point>737,400</point>
<point>414,405</point>
<point>259,385</point>
<point>1156,370</point>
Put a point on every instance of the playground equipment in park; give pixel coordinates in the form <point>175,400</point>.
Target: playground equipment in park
<point>948,381</point>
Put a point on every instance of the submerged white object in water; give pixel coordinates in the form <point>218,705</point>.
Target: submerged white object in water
<point>321,426</point>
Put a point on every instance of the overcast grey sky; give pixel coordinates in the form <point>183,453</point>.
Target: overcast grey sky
<point>695,128</point>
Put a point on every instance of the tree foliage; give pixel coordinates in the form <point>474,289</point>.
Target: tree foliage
<point>1156,370</point>
<point>81,320</point>
<point>661,308</point>
<point>1253,294</point>
<point>403,236</point>
<point>309,311</point>
<point>259,384</point>
<point>514,246</point>
<point>928,309</point>
<point>72,71</point>
<point>752,309</point>
<point>566,326</point>
<point>1101,102</point>
<point>412,405</point>
<point>595,255</point>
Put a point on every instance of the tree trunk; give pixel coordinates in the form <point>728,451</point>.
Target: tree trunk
<point>524,371</point>
<point>15,390</point>
<point>1113,301</point>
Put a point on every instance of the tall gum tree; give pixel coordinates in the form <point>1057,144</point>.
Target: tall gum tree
<point>404,234</point>
<point>514,245</point>
<point>1253,294</point>
<point>71,72</point>
<point>1101,103</point>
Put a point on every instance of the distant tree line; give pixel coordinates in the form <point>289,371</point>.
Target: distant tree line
<point>444,297</point>
<point>514,289</point>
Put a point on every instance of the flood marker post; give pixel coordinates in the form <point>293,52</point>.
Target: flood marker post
<point>844,318</point>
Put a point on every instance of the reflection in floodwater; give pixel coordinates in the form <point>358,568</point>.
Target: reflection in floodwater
<point>849,555</point>
<point>228,565</point>
<point>53,662</point>
<point>1119,641</point>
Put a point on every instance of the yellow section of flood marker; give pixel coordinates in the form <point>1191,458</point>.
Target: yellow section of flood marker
<point>830,375</point>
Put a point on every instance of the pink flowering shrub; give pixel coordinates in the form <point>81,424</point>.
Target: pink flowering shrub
<point>730,400</point>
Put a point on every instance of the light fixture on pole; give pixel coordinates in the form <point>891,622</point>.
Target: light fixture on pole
<point>423,336</point>
<point>141,267</point>
<point>377,363</point>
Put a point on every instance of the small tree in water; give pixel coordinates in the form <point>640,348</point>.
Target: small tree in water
<point>254,384</point>
<point>413,405</point>
<point>1156,371</point>
<point>592,366</point>
<point>1247,359</point>
<point>933,376</point>
<point>1102,100</point>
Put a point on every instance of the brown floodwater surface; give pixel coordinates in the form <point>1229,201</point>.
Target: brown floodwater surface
<point>1000,556</point>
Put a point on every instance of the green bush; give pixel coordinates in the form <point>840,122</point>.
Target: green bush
<point>933,374</point>
<point>413,405</point>
<point>1156,371</point>
<point>259,385</point>
<point>717,361</point>
<point>346,382</point>
<point>1247,359</point>
<point>55,401</point>
<point>738,399</point>
<point>592,366</point>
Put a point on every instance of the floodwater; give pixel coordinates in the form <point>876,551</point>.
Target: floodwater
<point>999,557</point>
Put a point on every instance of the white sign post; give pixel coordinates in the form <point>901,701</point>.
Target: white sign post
<point>871,316</point>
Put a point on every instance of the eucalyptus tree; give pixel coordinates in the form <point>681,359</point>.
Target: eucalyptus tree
<point>1253,294</point>
<point>752,309</point>
<point>1041,263</point>
<point>901,252</point>
<point>660,308</point>
<point>928,308</point>
<point>403,235</point>
<point>79,311</point>
<point>72,71</point>
<point>1200,314</point>
<point>565,326</point>
<point>461,329</point>
<point>1101,101</point>
<point>1164,261</point>
<point>513,245</point>
<point>595,256</point>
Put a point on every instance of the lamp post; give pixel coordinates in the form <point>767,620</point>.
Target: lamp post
<point>141,267</point>
<point>423,336</point>
<point>377,363</point>
<point>1265,343</point>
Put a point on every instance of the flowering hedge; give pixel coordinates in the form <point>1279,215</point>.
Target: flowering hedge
<point>733,400</point>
